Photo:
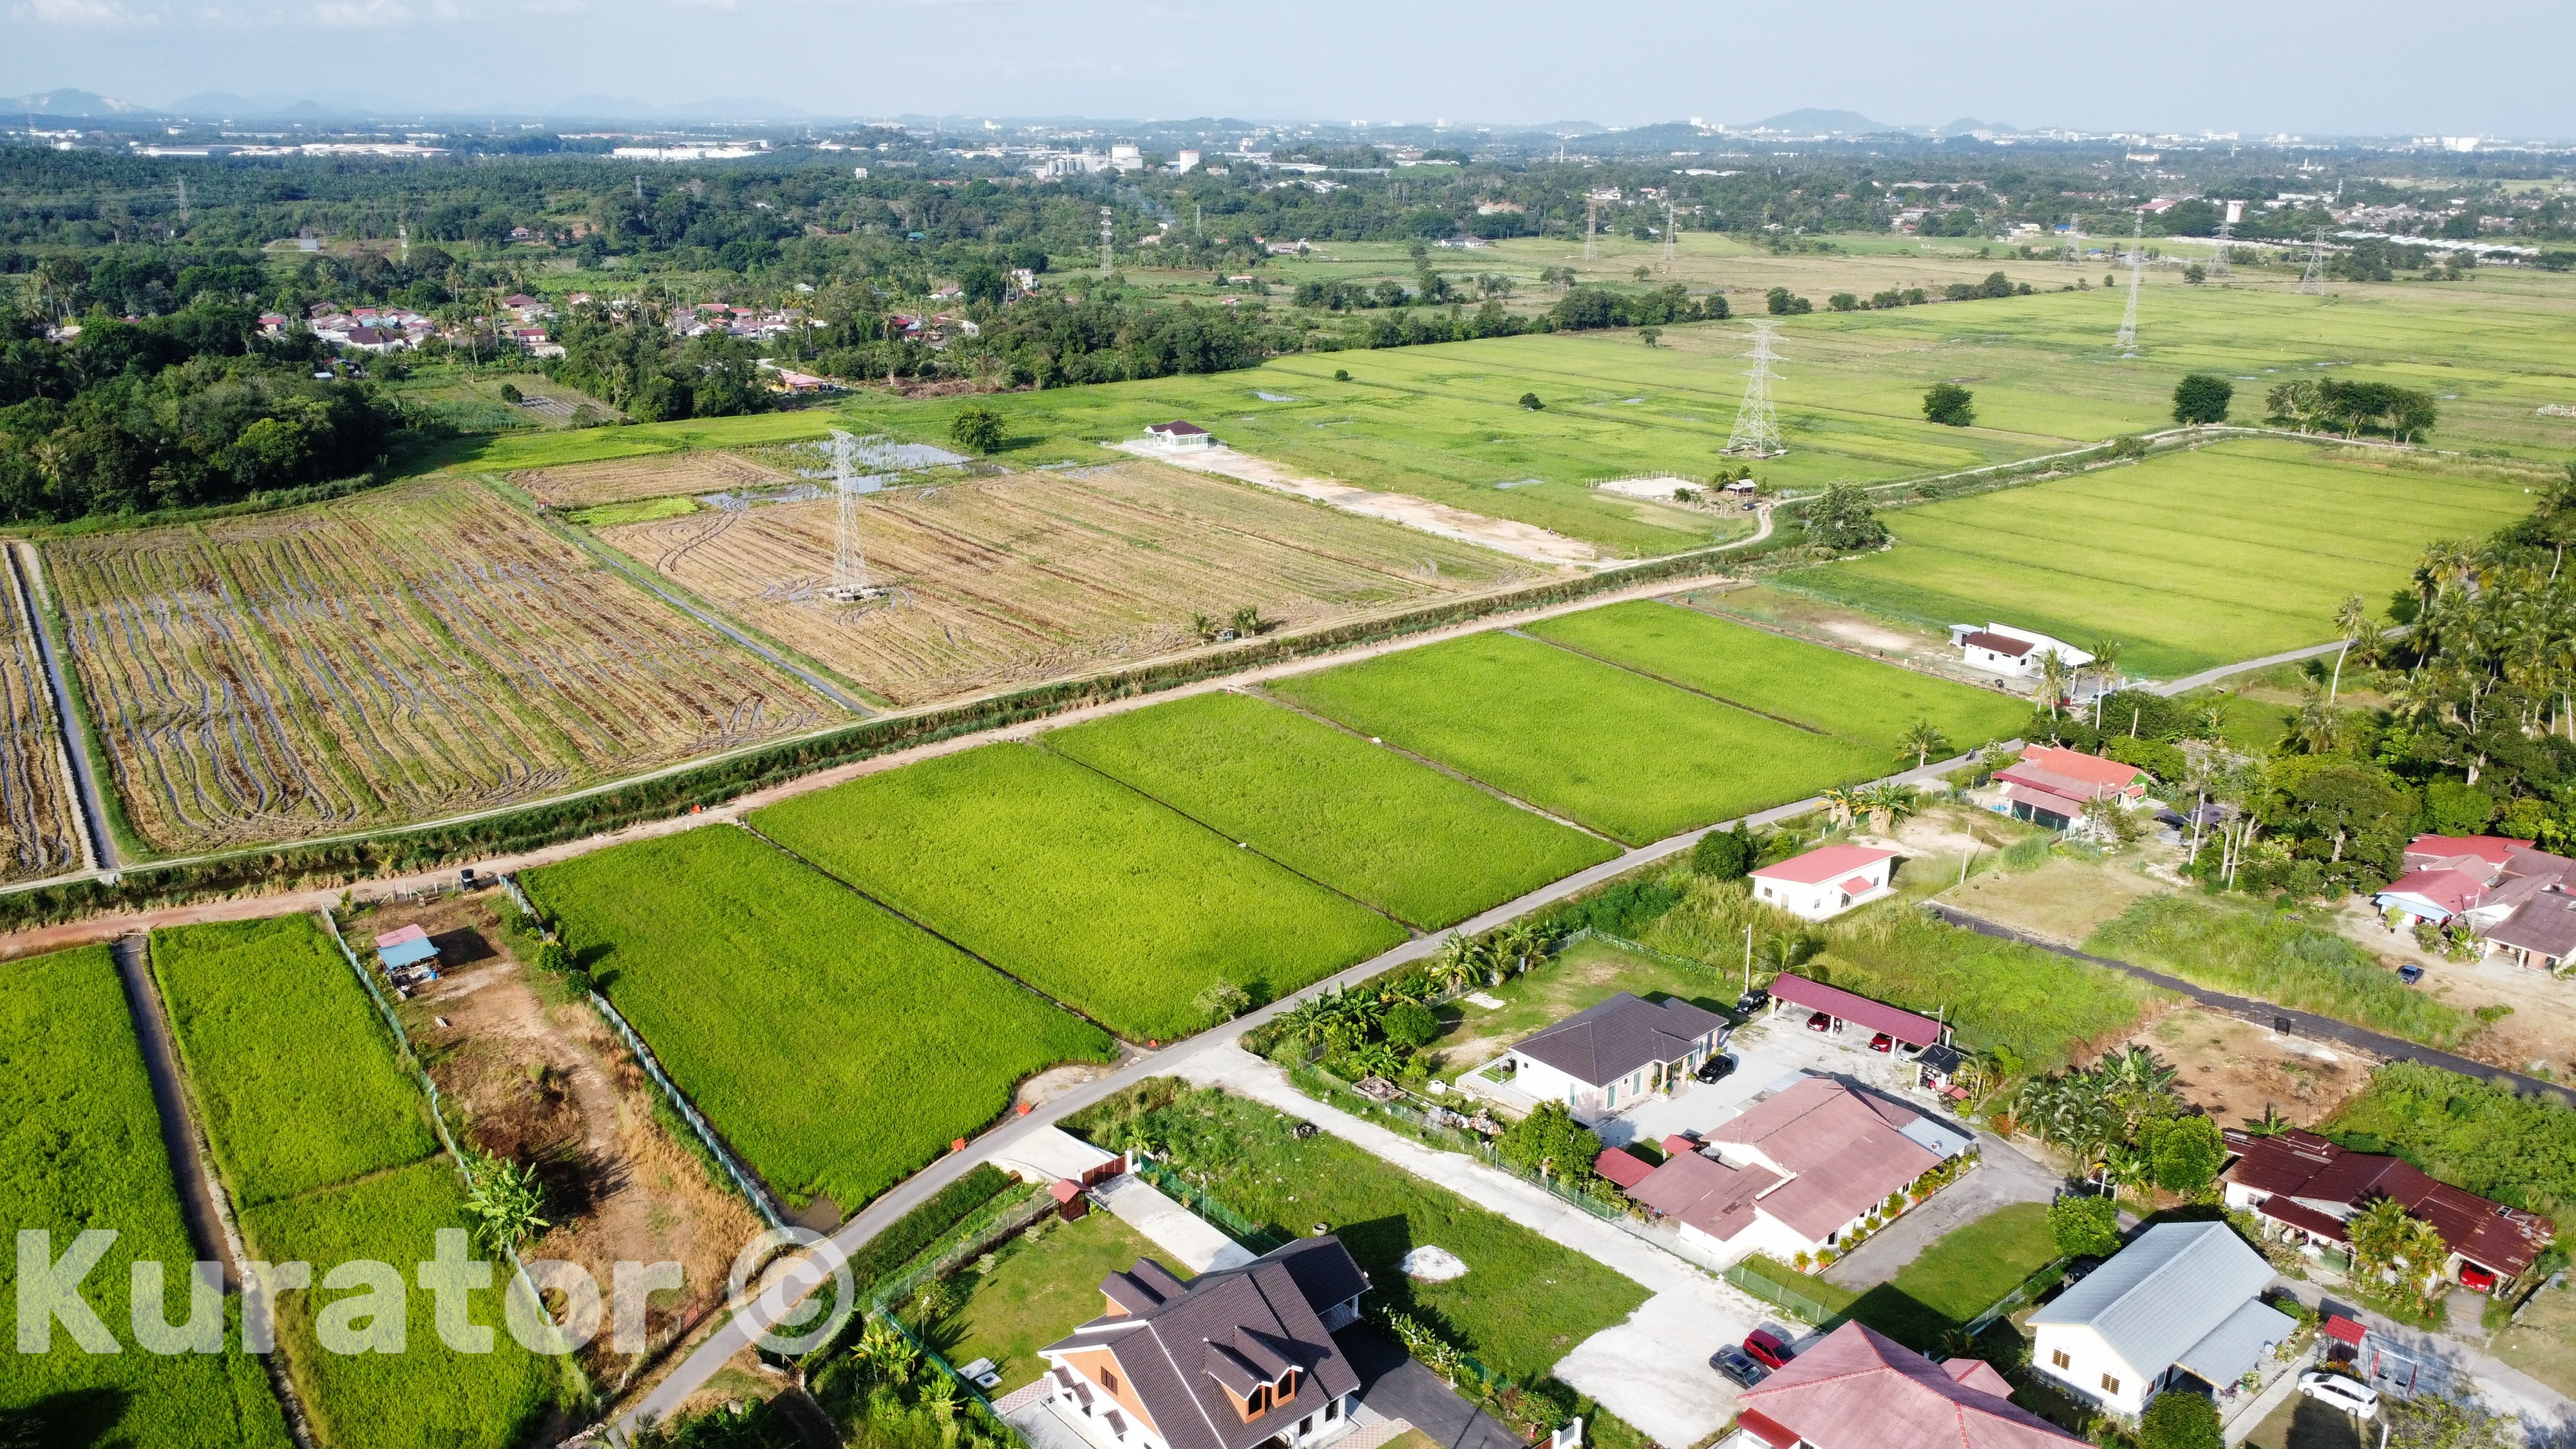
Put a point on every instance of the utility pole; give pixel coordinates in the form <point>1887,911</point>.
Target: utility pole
<point>2128,340</point>
<point>2226,234</point>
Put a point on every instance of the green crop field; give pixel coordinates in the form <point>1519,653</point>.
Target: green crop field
<point>293,1071</point>
<point>1632,758</point>
<point>2189,559</point>
<point>1826,689</point>
<point>427,1395</point>
<point>838,1048</point>
<point>1411,841</point>
<point>1079,886</point>
<point>83,1150</point>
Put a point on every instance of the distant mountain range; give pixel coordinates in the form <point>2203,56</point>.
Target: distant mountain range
<point>1812,122</point>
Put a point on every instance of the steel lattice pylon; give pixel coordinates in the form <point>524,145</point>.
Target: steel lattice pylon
<point>1757,423</point>
<point>849,561</point>
<point>2313,280</point>
<point>2128,341</point>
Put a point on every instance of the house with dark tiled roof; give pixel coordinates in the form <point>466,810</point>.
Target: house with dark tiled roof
<point>2014,653</point>
<point>1859,1389</point>
<point>1614,1055</point>
<point>2518,900</point>
<point>2305,1189</point>
<point>1240,1358</point>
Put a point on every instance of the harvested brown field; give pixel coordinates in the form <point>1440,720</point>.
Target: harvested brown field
<point>398,656</point>
<point>658,475</point>
<point>1034,575</point>
<point>39,833</point>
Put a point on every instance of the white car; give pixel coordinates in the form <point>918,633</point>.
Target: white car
<point>2350,1395</point>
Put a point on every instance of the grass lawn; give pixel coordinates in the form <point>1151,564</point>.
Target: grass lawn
<point>83,1150</point>
<point>1585,974</point>
<point>1041,1284</point>
<point>1415,843</point>
<point>837,1047</point>
<point>2166,556</point>
<point>1524,1300</point>
<point>1078,885</point>
<point>1632,758</point>
<point>2542,1341</point>
<point>1953,1281</point>
<point>1821,688</point>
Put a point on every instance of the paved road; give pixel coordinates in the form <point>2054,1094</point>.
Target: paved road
<point>2263,1013</point>
<point>178,1130</point>
<point>2190,682</point>
<point>768,1307</point>
<point>93,812</point>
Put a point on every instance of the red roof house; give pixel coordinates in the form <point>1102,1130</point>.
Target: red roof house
<point>2299,1180</point>
<point>1859,1389</point>
<point>1826,881</point>
<point>2051,786</point>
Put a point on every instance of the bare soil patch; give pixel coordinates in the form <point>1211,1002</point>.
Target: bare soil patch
<point>535,1077</point>
<point>1841,628</point>
<point>660,475</point>
<point>2233,1069</point>
<point>2538,1035</point>
<point>1522,540</point>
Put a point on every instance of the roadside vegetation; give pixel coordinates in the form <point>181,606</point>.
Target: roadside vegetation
<point>2277,957</point>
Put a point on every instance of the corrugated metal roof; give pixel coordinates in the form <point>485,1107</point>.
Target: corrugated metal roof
<point>2164,1293</point>
<point>2224,1354</point>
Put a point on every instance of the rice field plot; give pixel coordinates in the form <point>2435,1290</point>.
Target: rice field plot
<point>84,1150</point>
<point>836,1046</point>
<point>1632,758</point>
<point>1079,886</point>
<point>394,657</point>
<point>1003,581</point>
<point>428,1395</point>
<point>39,820</point>
<point>1826,689</point>
<point>1420,845</point>
<point>585,485</point>
<point>2191,559</point>
<point>293,1071</point>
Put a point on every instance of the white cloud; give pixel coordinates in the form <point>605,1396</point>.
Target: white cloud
<point>89,12</point>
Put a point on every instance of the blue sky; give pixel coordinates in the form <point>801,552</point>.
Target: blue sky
<point>2357,66</point>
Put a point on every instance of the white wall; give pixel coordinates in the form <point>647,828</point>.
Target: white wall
<point>2089,1358</point>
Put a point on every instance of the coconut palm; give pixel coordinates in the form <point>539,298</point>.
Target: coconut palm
<point>1922,739</point>
<point>1887,805</point>
<point>2106,664</point>
<point>1461,962</point>
<point>2352,621</point>
<point>1520,944</point>
<point>2054,672</point>
<point>1843,804</point>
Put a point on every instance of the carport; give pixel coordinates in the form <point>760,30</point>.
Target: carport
<point>1911,1032</point>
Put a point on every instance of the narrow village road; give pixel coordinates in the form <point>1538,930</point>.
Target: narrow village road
<point>169,1095</point>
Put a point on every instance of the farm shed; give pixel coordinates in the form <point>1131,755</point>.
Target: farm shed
<point>409,946</point>
<point>1180,436</point>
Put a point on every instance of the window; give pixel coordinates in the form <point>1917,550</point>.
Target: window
<point>2110,1385</point>
<point>1305,1426</point>
<point>1332,1410</point>
<point>2059,1358</point>
<point>1109,1380</point>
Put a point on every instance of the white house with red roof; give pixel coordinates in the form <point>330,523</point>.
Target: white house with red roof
<point>1860,1389</point>
<point>2013,653</point>
<point>2049,786</point>
<point>1827,881</point>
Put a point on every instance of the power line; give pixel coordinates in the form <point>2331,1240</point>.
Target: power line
<point>2226,235</point>
<point>849,561</point>
<point>1757,422</point>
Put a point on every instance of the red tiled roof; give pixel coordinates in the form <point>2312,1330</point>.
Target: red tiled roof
<point>2449,891</point>
<point>1903,1025</point>
<point>1823,864</point>
<point>1707,1194</point>
<point>1857,886</point>
<point>2299,1164</point>
<point>2077,765</point>
<point>1621,1167</point>
<point>1861,1390</point>
<point>2493,849</point>
<point>1843,1150</point>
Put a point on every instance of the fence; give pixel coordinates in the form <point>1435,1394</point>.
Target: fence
<point>1242,1229</point>
<point>983,1228</point>
<point>1779,1295</point>
<point>750,1186</point>
<point>1419,1126</point>
<point>2031,1287</point>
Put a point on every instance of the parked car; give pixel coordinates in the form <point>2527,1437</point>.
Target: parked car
<point>1715,1067</point>
<point>1820,1022</point>
<point>2078,1269</point>
<point>1753,1000</point>
<point>1767,1349</point>
<point>2335,1391</point>
<point>1882,1043</point>
<point>1739,1366</point>
<point>2410,973</point>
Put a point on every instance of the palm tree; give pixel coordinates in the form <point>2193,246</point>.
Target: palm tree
<point>1520,943</point>
<point>1461,961</point>
<point>2352,621</point>
<point>1922,739</point>
<point>2106,664</point>
<point>1842,803</point>
<point>2054,671</point>
<point>2316,729</point>
<point>1887,805</point>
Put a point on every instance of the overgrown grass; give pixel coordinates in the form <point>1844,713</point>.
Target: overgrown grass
<point>83,1150</point>
<point>1524,1300</point>
<point>1409,840</point>
<point>2518,1150</point>
<point>1632,758</point>
<point>2042,1008</point>
<point>1823,688</point>
<point>427,1396</point>
<point>836,1046</point>
<point>293,1070</point>
<point>1078,885</point>
<point>2278,958</point>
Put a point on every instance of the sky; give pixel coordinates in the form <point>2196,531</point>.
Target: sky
<point>2355,67</point>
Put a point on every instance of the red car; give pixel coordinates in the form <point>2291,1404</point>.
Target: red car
<point>1768,1348</point>
<point>1820,1022</point>
<point>1882,1043</point>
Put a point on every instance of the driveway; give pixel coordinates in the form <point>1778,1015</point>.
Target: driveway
<point>1394,1386</point>
<point>2003,1177</point>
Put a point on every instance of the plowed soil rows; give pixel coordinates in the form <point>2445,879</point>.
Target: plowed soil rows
<point>1006,580</point>
<point>580,485</point>
<point>37,827</point>
<point>394,657</point>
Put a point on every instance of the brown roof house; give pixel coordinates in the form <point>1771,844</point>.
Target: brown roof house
<point>2305,1188</point>
<point>1795,1173</point>
<point>1614,1055</point>
<point>1240,1358</point>
<point>1858,1389</point>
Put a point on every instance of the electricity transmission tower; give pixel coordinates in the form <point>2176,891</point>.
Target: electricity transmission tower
<point>2226,235</point>
<point>1670,242</point>
<point>849,562</point>
<point>1591,227</point>
<point>183,201</point>
<point>1107,231</point>
<point>1757,422</point>
<point>2128,340</point>
<point>2313,280</point>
